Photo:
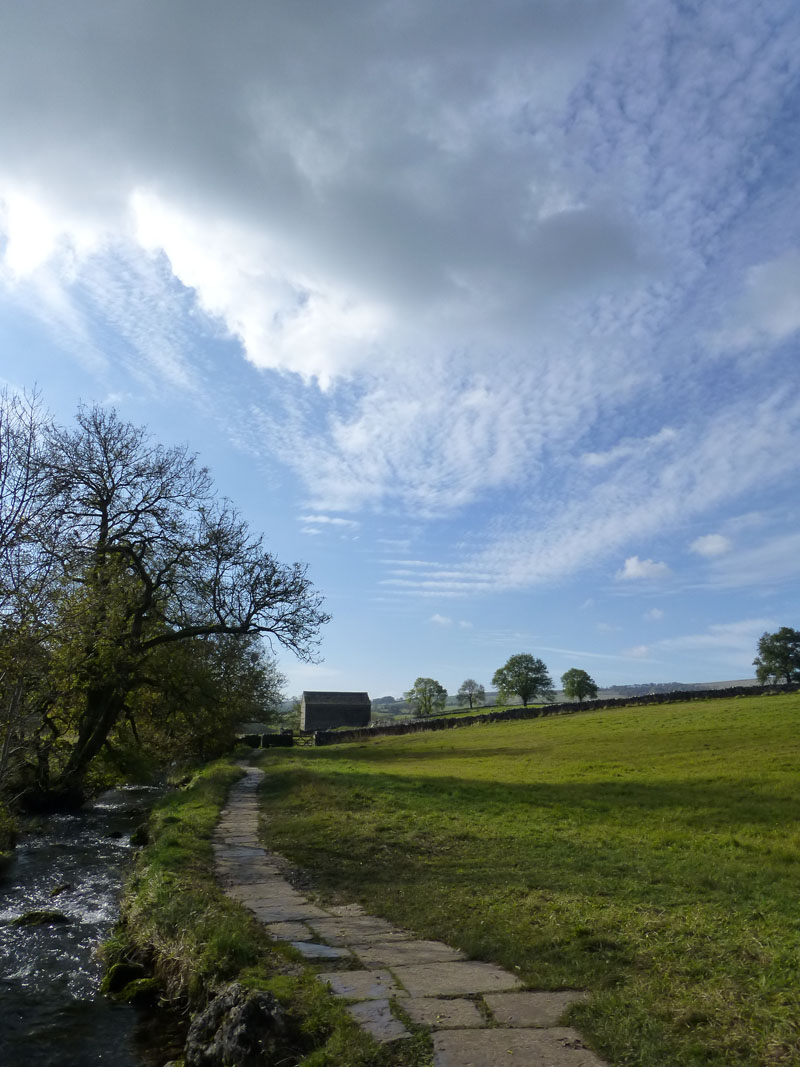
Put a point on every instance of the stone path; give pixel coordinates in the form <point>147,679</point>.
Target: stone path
<point>478,1014</point>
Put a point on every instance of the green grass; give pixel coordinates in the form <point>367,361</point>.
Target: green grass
<point>648,854</point>
<point>178,923</point>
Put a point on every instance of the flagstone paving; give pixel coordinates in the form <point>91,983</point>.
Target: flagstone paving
<point>478,1013</point>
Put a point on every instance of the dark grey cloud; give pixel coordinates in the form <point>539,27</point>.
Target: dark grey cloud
<point>372,138</point>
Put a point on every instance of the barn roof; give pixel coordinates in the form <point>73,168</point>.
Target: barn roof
<point>314,697</point>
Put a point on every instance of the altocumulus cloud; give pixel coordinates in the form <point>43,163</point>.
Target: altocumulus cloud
<point>397,212</point>
<point>711,545</point>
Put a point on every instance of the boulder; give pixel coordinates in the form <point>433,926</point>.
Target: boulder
<point>142,991</point>
<point>239,1027</point>
<point>119,975</point>
<point>41,918</point>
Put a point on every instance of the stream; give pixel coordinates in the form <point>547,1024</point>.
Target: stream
<point>51,1011</point>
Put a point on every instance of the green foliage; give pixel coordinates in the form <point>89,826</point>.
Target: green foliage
<point>426,697</point>
<point>197,692</point>
<point>778,658</point>
<point>8,830</point>
<point>128,594</point>
<point>525,676</point>
<point>578,685</point>
<point>471,692</point>
<point>649,855</point>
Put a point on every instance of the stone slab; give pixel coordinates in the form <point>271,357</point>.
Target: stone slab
<point>358,930</point>
<point>271,895</point>
<point>245,873</point>
<point>239,852</point>
<point>290,931</point>
<point>397,953</point>
<point>286,913</point>
<point>346,910</point>
<point>531,1009</point>
<point>312,951</point>
<point>558,1047</point>
<point>450,979</point>
<point>375,1016</point>
<point>362,985</point>
<point>440,1014</point>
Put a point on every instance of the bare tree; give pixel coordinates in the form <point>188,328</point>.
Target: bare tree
<point>26,571</point>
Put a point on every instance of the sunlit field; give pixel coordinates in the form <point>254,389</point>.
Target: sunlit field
<point>648,854</point>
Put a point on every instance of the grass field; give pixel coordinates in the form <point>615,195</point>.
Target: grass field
<point>648,854</point>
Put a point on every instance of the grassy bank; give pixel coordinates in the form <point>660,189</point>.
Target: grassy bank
<point>177,922</point>
<point>650,855</point>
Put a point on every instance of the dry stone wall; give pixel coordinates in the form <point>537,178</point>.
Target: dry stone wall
<point>341,737</point>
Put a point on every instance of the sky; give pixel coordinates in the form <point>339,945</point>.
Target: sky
<point>489,313</point>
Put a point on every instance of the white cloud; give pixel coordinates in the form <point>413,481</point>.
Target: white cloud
<point>638,652</point>
<point>423,215</point>
<point>635,569</point>
<point>742,634</point>
<point>441,620</point>
<point>654,615</point>
<point>630,447</point>
<point>775,562</point>
<point>770,310</point>
<point>329,520</point>
<point>711,545</point>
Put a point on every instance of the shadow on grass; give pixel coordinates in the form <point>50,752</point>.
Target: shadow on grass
<point>719,804</point>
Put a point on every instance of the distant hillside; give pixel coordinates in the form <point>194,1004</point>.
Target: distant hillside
<point>669,687</point>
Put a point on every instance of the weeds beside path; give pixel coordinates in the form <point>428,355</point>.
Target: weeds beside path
<point>650,855</point>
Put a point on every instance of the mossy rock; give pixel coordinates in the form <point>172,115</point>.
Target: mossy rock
<point>140,991</point>
<point>119,976</point>
<point>140,836</point>
<point>41,918</point>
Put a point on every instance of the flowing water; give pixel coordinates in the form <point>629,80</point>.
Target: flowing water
<point>51,1011</point>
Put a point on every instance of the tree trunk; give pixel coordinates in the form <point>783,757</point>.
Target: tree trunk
<point>104,705</point>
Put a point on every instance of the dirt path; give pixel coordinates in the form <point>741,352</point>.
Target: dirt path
<point>478,1014</point>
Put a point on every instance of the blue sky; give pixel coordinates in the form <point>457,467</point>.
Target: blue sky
<point>490,313</point>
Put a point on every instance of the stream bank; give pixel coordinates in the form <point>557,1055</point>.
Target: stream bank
<point>52,1013</point>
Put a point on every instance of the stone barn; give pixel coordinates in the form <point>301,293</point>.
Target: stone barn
<point>326,711</point>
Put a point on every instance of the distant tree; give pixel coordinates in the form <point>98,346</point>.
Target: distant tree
<point>472,692</point>
<point>288,717</point>
<point>578,685</point>
<point>426,697</point>
<point>524,676</point>
<point>778,658</point>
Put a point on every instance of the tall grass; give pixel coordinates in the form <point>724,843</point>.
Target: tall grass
<point>650,855</point>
